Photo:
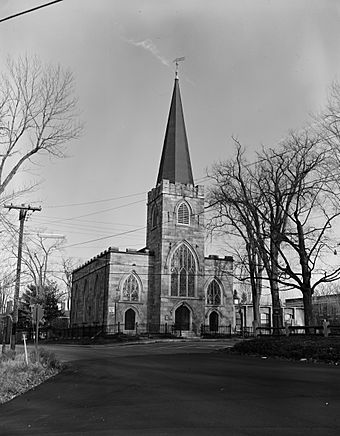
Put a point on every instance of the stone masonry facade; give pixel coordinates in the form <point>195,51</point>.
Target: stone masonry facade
<point>98,286</point>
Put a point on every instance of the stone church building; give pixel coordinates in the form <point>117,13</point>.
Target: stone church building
<point>170,282</point>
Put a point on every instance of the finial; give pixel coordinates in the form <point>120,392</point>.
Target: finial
<point>176,62</point>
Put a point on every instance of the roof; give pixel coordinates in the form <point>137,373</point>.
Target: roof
<point>175,164</point>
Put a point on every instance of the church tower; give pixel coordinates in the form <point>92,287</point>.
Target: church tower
<point>175,232</point>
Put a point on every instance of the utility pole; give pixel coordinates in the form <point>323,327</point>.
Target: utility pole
<point>23,209</point>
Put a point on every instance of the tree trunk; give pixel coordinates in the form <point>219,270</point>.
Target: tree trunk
<point>308,307</point>
<point>274,289</point>
<point>256,282</point>
<point>276,304</point>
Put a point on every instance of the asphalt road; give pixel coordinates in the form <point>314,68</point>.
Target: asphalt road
<point>177,389</point>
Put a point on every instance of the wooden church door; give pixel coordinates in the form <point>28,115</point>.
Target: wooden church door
<point>213,322</point>
<point>130,318</point>
<point>182,318</point>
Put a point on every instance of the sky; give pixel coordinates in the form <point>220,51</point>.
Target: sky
<point>253,69</point>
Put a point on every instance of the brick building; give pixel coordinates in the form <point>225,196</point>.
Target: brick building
<point>170,281</point>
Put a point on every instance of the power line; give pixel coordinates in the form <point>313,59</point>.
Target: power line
<point>96,201</point>
<point>29,10</point>
<point>97,212</point>
<point>111,198</point>
<point>104,237</point>
<point>91,227</point>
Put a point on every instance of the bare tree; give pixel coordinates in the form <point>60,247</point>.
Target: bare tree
<point>6,282</point>
<point>36,260</point>
<point>67,267</point>
<point>38,114</point>
<point>283,207</point>
<point>233,199</point>
<point>308,196</point>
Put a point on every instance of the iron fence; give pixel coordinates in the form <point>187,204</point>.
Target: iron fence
<point>288,330</point>
<point>168,330</point>
<point>107,330</point>
<point>216,331</point>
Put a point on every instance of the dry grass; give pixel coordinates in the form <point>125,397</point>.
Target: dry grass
<point>16,377</point>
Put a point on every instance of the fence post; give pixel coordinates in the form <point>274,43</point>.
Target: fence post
<point>136,328</point>
<point>287,332</point>
<point>166,328</point>
<point>326,329</point>
<point>255,325</point>
<point>118,327</point>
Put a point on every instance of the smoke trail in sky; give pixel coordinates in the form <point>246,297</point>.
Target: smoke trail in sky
<point>147,44</point>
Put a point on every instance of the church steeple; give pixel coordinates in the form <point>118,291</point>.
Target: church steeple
<point>175,164</point>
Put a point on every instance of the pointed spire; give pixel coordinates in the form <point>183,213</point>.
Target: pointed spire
<point>175,164</point>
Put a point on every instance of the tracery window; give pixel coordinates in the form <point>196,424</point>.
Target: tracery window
<point>183,214</point>
<point>131,289</point>
<point>214,293</point>
<point>183,271</point>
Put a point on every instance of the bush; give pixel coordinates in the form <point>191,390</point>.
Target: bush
<point>49,360</point>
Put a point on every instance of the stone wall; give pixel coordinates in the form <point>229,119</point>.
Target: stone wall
<point>220,269</point>
<point>122,264</point>
<point>89,291</point>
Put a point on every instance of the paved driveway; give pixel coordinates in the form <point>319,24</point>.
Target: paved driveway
<point>177,389</point>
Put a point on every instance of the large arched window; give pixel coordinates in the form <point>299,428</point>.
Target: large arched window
<point>85,300</point>
<point>183,271</point>
<point>214,293</point>
<point>183,214</point>
<point>131,289</point>
<point>95,299</point>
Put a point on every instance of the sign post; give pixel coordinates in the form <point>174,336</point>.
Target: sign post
<point>38,313</point>
<point>25,348</point>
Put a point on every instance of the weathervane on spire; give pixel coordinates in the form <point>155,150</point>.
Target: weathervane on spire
<point>176,62</point>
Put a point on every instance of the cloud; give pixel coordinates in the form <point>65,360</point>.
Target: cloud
<point>148,45</point>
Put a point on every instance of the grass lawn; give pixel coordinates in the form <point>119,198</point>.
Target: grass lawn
<point>313,348</point>
<point>17,377</point>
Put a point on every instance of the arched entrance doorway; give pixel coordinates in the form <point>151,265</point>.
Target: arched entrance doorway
<point>182,318</point>
<point>130,319</point>
<point>213,322</point>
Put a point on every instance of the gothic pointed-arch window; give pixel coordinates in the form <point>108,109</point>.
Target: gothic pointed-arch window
<point>214,293</point>
<point>183,272</point>
<point>183,214</point>
<point>131,288</point>
<point>95,299</point>
<point>85,300</point>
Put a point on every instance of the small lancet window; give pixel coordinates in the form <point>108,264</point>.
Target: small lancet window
<point>214,293</point>
<point>131,289</point>
<point>183,214</point>
<point>154,217</point>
